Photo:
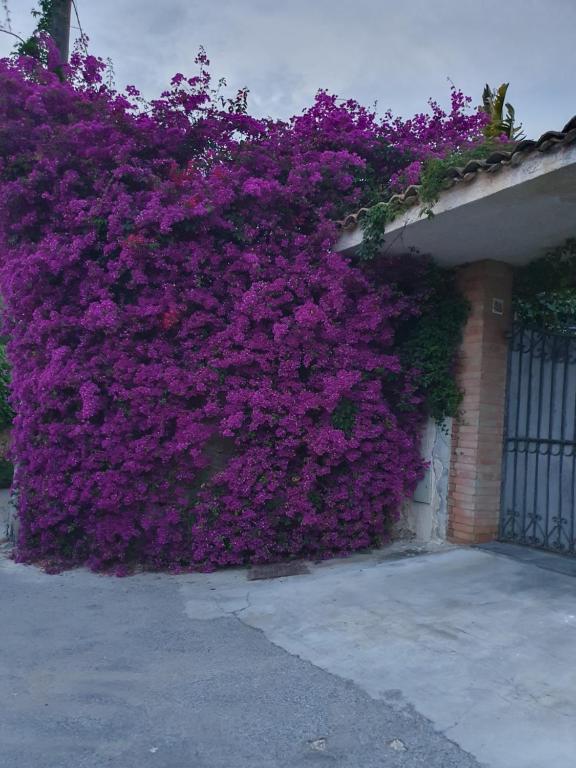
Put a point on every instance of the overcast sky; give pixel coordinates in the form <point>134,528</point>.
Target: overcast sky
<point>394,53</point>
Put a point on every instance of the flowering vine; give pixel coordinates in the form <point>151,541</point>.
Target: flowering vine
<point>199,378</point>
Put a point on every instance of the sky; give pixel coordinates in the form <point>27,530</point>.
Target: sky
<point>390,53</point>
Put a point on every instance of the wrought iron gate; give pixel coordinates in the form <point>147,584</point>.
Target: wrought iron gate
<point>539,463</point>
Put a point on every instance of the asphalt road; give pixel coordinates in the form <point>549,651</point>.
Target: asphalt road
<point>98,672</point>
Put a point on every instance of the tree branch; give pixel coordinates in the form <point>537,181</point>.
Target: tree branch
<point>82,36</point>
<point>8,32</point>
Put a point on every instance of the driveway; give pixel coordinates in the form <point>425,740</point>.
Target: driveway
<point>459,658</point>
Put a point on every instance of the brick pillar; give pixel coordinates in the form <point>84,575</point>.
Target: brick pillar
<point>475,469</point>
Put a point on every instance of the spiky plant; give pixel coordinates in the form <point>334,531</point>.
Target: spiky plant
<point>502,114</point>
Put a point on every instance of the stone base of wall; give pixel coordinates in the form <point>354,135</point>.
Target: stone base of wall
<point>8,517</point>
<point>425,517</point>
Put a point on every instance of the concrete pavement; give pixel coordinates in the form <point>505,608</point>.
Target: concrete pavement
<point>461,658</point>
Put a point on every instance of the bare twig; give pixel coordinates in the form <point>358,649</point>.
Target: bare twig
<point>82,35</point>
<point>9,32</point>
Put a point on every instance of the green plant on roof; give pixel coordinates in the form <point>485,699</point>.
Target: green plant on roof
<point>502,114</point>
<point>545,290</point>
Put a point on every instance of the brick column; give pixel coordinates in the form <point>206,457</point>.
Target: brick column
<point>475,469</point>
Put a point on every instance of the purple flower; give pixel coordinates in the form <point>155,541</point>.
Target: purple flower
<point>199,379</point>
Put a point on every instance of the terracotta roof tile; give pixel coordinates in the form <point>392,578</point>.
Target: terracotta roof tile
<point>491,164</point>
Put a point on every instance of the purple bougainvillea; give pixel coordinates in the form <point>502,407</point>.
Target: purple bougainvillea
<point>199,379</point>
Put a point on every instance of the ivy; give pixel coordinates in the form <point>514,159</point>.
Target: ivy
<point>430,342</point>
<point>6,412</point>
<point>6,473</point>
<point>433,174</point>
<point>545,290</point>
<point>33,45</point>
<point>6,417</point>
<point>435,171</point>
<point>374,227</point>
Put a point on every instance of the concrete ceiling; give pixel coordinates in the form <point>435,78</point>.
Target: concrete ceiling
<point>513,215</point>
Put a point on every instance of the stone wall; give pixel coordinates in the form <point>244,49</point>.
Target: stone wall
<point>425,516</point>
<point>8,517</point>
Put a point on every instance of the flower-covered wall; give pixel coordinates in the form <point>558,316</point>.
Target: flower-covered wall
<point>199,379</point>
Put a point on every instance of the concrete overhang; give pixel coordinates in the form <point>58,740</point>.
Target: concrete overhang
<point>512,215</point>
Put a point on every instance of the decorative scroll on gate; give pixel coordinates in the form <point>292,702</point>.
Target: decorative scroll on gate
<point>539,465</point>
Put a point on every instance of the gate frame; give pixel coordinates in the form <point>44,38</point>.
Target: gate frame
<point>567,340</point>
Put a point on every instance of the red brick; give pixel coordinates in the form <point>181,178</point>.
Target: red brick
<point>474,479</point>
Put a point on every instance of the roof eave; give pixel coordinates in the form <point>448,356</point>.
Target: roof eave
<point>511,212</point>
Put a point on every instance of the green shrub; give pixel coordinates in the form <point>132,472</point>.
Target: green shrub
<point>6,412</point>
<point>545,290</point>
<point>6,473</point>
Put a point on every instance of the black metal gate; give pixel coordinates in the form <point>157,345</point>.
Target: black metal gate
<point>539,464</point>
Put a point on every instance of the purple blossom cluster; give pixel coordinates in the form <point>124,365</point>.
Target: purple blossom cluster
<point>433,134</point>
<point>183,338</point>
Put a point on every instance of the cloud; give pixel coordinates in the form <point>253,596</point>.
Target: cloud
<point>395,54</point>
